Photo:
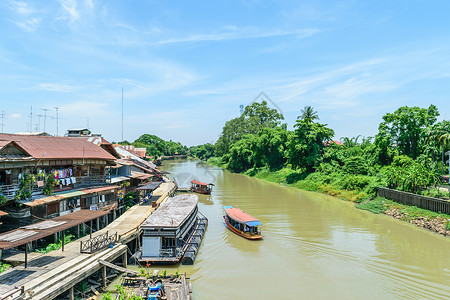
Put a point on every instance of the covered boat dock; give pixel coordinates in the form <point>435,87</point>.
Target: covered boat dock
<point>30,233</point>
<point>171,230</point>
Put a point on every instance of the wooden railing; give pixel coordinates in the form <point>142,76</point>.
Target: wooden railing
<point>97,243</point>
<point>12,293</point>
<point>433,204</point>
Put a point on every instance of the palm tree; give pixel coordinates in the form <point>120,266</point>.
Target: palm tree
<point>309,114</point>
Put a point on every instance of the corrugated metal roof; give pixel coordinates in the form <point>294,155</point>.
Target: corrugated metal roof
<point>100,189</point>
<point>42,229</point>
<point>150,186</point>
<point>52,147</point>
<point>68,194</point>
<point>172,212</point>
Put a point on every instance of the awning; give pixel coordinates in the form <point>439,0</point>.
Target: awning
<point>46,228</point>
<point>72,194</point>
<point>100,189</point>
<point>118,179</point>
<point>149,186</point>
<point>201,183</point>
<point>241,216</point>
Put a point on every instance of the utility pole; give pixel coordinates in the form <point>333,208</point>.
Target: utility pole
<point>122,114</point>
<point>57,119</point>
<point>3,117</point>
<point>45,115</point>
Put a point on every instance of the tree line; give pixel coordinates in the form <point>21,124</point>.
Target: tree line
<point>156,146</point>
<point>407,153</point>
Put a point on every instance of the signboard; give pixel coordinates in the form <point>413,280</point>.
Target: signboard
<point>93,207</point>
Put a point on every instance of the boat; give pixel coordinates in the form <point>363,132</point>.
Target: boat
<point>155,290</point>
<point>242,223</point>
<point>201,187</point>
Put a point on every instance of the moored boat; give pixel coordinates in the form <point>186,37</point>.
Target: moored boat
<point>201,187</point>
<point>242,223</point>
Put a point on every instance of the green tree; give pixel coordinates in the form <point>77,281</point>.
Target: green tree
<point>309,114</point>
<point>255,117</point>
<point>271,147</point>
<point>404,129</point>
<point>305,149</point>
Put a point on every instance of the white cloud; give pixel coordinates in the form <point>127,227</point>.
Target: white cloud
<point>21,7</point>
<point>15,116</point>
<point>235,33</point>
<point>56,87</point>
<point>82,108</point>
<point>70,7</point>
<point>29,25</point>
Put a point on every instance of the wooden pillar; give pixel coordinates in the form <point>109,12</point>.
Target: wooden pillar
<point>71,297</point>
<point>78,231</point>
<point>98,224</point>
<point>90,235</point>
<point>63,240</point>
<point>56,237</point>
<point>26,255</point>
<point>125,260</point>
<point>104,276</point>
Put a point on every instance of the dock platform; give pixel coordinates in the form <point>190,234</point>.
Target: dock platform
<point>48,275</point>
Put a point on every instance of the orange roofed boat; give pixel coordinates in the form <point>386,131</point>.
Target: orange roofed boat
<point>242,223</point>
<point>201,187</point>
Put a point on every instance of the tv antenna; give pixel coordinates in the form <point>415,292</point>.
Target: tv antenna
<point>31,119</point>
<point>2,115</point>
<point>45,115</point>
<point>57,120</point>
<point>39,122</point>
<point>122,113</point>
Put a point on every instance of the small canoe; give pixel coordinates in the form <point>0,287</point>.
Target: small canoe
<point>242,223</point>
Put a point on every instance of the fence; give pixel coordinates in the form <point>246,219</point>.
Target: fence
<point>97,243</point>
<point>433,204</point>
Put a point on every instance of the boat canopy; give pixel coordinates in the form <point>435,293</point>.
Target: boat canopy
<point>241,216</point>
<point>200,183</point>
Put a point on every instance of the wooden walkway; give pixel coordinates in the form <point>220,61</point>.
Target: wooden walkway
<point>51,274</point>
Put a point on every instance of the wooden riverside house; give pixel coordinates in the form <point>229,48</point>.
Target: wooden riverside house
<point>79,168</point>
<point>174,231</point>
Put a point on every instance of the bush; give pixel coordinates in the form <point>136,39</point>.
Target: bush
<point>377,205</point>
<point>356,165</point>
<point>354,182</point>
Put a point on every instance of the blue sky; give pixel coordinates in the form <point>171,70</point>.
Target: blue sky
<point>187,66</point>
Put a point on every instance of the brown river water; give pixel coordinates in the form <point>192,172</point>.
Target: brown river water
<point>314,246</point>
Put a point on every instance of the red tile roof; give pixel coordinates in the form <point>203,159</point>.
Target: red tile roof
<point>52,147</point>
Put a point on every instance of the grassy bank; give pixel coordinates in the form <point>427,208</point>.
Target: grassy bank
<point>360,189</point>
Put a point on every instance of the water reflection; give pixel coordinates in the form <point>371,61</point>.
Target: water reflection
<point>314,247</point>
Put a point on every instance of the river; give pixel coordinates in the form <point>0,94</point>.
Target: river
<point>314,246</point>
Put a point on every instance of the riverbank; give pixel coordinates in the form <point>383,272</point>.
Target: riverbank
<point>360,190</point>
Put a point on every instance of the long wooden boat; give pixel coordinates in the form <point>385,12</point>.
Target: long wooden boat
<point>201,187</point>
<point>242,223</point>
